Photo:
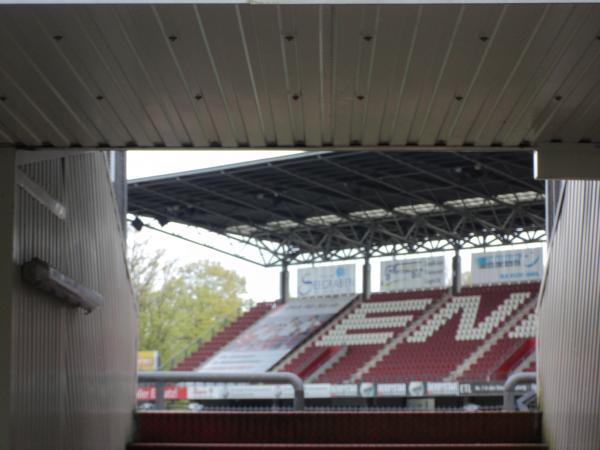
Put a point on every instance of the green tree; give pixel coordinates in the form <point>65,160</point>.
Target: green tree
<point>177,305</point>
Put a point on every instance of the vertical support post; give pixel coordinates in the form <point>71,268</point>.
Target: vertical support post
<point>366,277</point>
<point>284,282</point>
<point>456,273</point>
<point>7,274</point>
<point>160,395</point>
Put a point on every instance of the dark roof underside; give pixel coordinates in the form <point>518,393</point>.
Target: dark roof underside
<point>327,205</point>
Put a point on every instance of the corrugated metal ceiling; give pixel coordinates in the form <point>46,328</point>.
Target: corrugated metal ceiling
<point>299,75</point>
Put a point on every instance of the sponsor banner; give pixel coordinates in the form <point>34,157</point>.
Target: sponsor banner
<point>198,391</point>
<point>491,388</point>
<point>252,391</point>
<point>416,389</point>
<point>148,393</point>
<point>441,389</point>
<point>511,265</point>
<point>318,390</point>
<point>286,391</point>
<point>413,274</point>
<point>328,280</point>
<point>147,361</point>
<point>214,391</point>
<point>391,390</point>
<point>344,390</point>
<point>367,390</point>
<point>263,344</point>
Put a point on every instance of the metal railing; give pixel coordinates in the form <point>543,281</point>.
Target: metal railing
<point>160,378</point>
<point>509,403</point>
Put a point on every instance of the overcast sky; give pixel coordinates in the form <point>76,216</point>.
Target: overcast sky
<point>261,283</point>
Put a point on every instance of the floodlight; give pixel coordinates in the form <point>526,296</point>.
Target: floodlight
<point>41,275</point>
<point>137,224</point>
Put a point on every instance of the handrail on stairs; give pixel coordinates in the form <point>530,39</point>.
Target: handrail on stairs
<point>160,378</point>
<point>509,388</point>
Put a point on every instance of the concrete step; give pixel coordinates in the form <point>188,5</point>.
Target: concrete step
<point>339,427</point>
<point>164,446</point>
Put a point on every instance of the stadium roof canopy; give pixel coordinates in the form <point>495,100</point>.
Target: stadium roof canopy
<point>342,205</point>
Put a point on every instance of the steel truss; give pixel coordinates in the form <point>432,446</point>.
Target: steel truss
<point>340,206</point>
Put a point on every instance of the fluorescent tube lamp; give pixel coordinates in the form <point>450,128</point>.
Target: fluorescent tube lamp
<point>41,275</point>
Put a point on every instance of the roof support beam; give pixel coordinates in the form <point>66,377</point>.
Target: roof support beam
<point>338,148</point>
<point>567,162</point>
<point>500,172</point>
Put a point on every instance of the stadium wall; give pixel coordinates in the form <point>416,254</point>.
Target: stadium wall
<point>72,376</point>
<point>569,317</point>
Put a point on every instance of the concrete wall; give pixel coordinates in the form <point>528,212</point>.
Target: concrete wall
<point>569,323</point>
<point>72,375</point>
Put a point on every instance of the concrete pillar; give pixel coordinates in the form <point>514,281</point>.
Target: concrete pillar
<point>456,273</point>
<point>366,279</point>
<point>284,282</point>
<point>7,274</point>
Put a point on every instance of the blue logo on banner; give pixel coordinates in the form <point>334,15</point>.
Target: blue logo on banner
<point>340,272</point>
<point>532,263</point>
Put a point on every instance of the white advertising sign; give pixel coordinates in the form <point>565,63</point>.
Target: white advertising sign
<point>263,344</point>
<point>344,390</point>
<point>391,390</point>
<point>329,280</point>
<point>442,388</point>
<point>511,265</point>
<point>416,273</point>
<point>367,390</point>
<point>317,390</point>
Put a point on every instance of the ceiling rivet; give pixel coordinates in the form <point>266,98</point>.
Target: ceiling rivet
<point>558,98</point>
<point>368,37</point>
<point>198,96</point>
<point>458,98</point>
<point>99,97</point>
<point>483,38</point>
<point>296,96</point>
<point>57,37</point>
<point>173,38</point>
<point>289,37</point>
<point>360,97</point>
<point>2,98</point>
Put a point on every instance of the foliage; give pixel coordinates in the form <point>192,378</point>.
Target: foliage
<point>177,305</point>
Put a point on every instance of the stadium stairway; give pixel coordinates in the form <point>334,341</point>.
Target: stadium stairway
<point>339,430</point>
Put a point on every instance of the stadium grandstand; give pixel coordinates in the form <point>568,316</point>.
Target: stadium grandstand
<point>418,329</point>
<point>427,132</point>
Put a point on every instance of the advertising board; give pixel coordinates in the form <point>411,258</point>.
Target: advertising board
<point>391,390</point>
<point>419,273</point>
<point>147,361</point>
<point>512,265</point>
<point>327,280</point>
<point>148,393</point>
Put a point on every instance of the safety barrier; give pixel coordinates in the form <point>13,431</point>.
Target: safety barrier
<point>160,378</point>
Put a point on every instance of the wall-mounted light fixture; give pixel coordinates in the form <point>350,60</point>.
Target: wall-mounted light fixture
<point>41,275</point>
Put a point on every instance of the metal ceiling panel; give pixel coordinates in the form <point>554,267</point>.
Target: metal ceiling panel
<point>299,75</point>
